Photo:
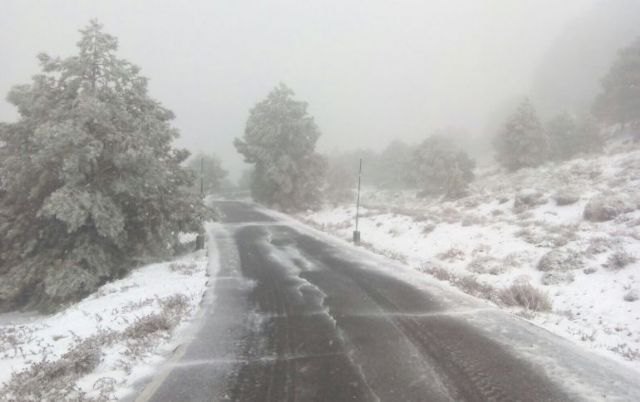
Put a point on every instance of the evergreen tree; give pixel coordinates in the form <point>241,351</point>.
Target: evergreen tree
<point>209,168</point>
<point>569,136</point>
<point>619,102</point>
<point>522,141</point>
<point>561,131</point>
<point>440,168</point>
<point>393,166</point>
<point>280,139</point>
<point>244,182</point>
<point>90,182</point>
<point>589,138</point>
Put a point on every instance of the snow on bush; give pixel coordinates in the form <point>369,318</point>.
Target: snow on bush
<point>566,196</point>
<point>95,349</point>
<point>482,245</point>
<point>523,294</point>
<point>560,259</point>
<point>619,259</point>
<point>528,198</point>
<point>605,207</point>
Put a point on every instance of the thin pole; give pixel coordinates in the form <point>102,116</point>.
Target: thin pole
<point>202,176</point>
<point>358,200</point>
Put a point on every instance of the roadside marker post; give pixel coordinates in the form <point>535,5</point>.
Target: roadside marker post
<point>356,233</point>
<point>200,237</point>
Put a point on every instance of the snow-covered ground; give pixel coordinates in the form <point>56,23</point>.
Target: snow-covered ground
<point>526,227</point>
<point>99,347</point>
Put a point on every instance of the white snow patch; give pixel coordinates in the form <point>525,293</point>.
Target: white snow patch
<point>30,339</point>
<point>484,230</point>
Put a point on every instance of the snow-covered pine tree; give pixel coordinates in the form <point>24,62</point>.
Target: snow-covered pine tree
<point>589,138</point>
<point>90,183</point>
<point>440,168</point>
<point>569,136</point>
<point>280,139</point>
<point>619,102</point>
<point>522,141</point>
<point>561,131</point>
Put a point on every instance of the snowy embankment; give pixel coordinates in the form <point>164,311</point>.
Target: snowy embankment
<point>571,231</point>
<point>99,347</point>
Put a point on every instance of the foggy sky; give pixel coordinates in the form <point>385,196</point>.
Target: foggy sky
<point>371,70</point>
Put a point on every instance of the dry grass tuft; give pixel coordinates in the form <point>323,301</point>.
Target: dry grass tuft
<point>523,294</point>
<point>619,259</point>
<point>453,254</point>
<point>185,268</point>
<point>55,380</point>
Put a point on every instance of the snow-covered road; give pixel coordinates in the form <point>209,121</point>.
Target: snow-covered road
<point>301,316</point>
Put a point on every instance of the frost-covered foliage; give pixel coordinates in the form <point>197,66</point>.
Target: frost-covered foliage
<point>522,141</point>
<point>440,168</point>
<point>89,180</point>
<point>619,102</point>
<point>606,206</point>
<point>523,294</point>
<point>279,139</point>
<point>569,136</point>
<point>393,166</point>
<point>209,168</point>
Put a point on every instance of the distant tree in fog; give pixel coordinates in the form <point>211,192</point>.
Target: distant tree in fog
<point>279,140</point>
<point>569,136</point>
<point>91,184</point>
<point>619,101</point>
<point>522,141</point>
<point>341,179</point>
<point>244,182</point>
<point>210,169</point>
<point>441,168</point>
<point>392,166</point>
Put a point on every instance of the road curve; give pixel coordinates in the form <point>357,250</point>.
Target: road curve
<point>298,317</point>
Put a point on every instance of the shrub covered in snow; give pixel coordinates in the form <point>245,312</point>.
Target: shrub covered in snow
<point>605,207</point>
<point>619,259</point>
<point>527,199</point>
<point>487,265</point>
<point>566,196</point>
<point>632,295</point>
<point>560,259</point>
<point>523,294</point>
<point>440,168</point>
<point>557,278</point>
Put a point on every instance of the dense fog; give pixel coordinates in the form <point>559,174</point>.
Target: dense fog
<point>371,72</point>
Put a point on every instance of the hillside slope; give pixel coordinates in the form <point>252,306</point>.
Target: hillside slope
<point>570,230</point>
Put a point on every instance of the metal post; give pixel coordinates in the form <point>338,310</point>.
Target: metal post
<point>200,237</point>
<point>356,233</point>
<point>202,176</point>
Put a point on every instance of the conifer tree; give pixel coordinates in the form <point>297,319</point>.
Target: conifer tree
<point>279,140</point>
<point>90,182</point>
<point>619,102</point>
<point>522,142</point>
<point>440,168</point>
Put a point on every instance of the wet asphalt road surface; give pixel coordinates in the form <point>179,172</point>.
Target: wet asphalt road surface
<point>293,317</point>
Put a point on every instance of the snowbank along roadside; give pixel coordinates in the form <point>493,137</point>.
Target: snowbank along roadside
<point>98,348</point>
<point>570,232</point>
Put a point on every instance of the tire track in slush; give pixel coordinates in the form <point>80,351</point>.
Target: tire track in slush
<point>289,320</point>
<point>473,367</point>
